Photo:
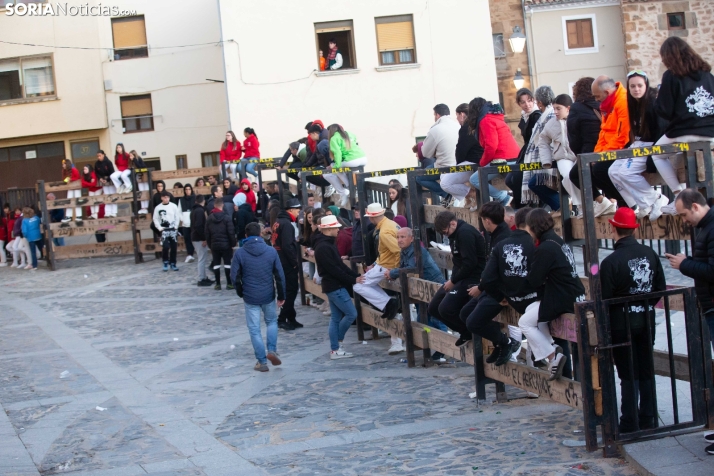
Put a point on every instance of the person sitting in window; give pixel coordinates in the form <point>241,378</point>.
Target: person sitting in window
<point>323,61</point>
<point>334,57</point>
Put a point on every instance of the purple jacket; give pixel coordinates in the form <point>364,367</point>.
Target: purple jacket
<point>17,228</point>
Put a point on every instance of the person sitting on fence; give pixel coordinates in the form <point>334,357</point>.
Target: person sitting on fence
<point>346,153</point>
<point>32,233</point>
<point>438,148</point>
<point>251,150</point>
<point>479,312</point>
<point>337,280</point>
<point>318,156</point>
<point>231,151</point>
<point>554,270</point>
<point>468,250</point>
<point>633,269</point>
<point>221,238</point>
<point>407,259</point>
<point>90,182</point>
<point>70,175</point>
<point>534,179</point>
<point>468,152</point>
<point>198,237</point>
<point>136,162</point>
<point>398,196</point>
<point>487,124</point>
<point>388,253</point>
<point>104,169</point>
<point>122,176</point>
<point>529,117</point>
<point>166,220</point>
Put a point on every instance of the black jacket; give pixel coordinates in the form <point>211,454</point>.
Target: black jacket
<point>285,242</point>
<point>198,223</point>
<point>631,269</point>
<point>468,148</point>
<point>468,250</point>
<point>554,270</point>
<point>334,272</point>
<point>156,198</point>
<point>103,169</point>
<point>526,128</point>
<point>687,103</point>
<point>229,194</point>
<point>700,266</point>
<point>241,218</point>
<point>656,125</point>
<point>501,232</point>
<point>507,270</point>
<point>220,233</point>
<point>583,126</point>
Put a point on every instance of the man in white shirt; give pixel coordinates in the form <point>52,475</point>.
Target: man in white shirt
<point>440,146</point>
<point>166,220</point>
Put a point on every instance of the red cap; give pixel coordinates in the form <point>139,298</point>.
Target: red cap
<point>624,218</point>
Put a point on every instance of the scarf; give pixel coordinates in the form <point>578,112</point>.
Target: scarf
<point>608,105</point>
<point>332,54</point>
<point>543,177</point>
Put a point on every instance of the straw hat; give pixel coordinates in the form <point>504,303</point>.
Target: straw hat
<point>329,221</point>
<point>374,210</point>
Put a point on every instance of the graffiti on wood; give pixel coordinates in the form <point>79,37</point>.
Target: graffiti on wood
<point>181,173</point>
<point>667,227</point>
<point>94,250</point>
<point>422,290</point>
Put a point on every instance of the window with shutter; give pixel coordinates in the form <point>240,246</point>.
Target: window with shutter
<point>580,34</point>
<point>137,113</point>
<point>395,40</point>
<point>129,37</point>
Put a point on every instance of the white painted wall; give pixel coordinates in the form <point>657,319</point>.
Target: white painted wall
<point>274,42</point>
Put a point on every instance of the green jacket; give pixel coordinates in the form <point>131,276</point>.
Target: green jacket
<point>341,153</point>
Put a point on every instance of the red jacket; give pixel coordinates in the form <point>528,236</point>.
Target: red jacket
<point>250,147</point>
<point>3,231</point>
<point>311,143</point>
<point>121,161</point>
<point>496,139</point>
<point>249,195</point>
<point>92,185</point>
<point>231,154</point>
<point>73,174</point>
<point>344,241</point>
<point>10,225</point>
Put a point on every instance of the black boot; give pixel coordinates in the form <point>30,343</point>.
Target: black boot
<point>498,348</point>
<point>648,405</point>
<point>628,406</point>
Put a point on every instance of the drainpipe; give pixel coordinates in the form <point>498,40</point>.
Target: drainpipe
<point>529,45</point>
<point>223,57</point>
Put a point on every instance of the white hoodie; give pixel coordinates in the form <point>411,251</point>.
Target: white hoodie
<point>166,216</point>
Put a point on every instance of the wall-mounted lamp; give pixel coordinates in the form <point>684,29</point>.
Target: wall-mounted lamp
<point>518,79</point>
<point>517,40</point>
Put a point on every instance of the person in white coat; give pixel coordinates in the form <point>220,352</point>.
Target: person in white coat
<point>166,221</point>
<point>439,147</point>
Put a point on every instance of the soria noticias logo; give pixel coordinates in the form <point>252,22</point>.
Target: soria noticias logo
<point>63,9</point>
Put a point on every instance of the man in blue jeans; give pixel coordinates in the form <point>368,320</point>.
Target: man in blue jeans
<point>256,273</point>
<point>337,281</point>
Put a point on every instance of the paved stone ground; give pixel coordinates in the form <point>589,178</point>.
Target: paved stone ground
<point>111,368</point>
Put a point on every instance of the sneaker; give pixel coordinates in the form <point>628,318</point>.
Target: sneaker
<point>438,357</point>
<point>340,354</point>
<point>555,366</point>
<point>709,438</point>
<point>657,207</point>
<point>217,287</point>
<point>29,266</point>
<point>642,212</point>
<point>390,310</point>
<point>204,283</point>
<point>128,188</point>
<point>230,287</point>
<point>329,191</point>
<point>14,265</point>
<point>143,211</point>
<point>327,313</point>
<point>166,266</point>
<point>286,326</point>
<point>120,189</point>
<point>507,351</point>
<point>669,209</point>
<point>274,358</point>
<point>473,209</point>
<point>457,203</point>
<point>395,349</point>
<point>261,367</point>
<point>447,202</point>
<point>173,267</point>
<point>296,324</point>
<point>462,340</point>
<point>345,199</point>
<point>606,207</point>
<point>494,355</point>
<point>382,334</point>
<point>189,259</point>
<point>66,220</point>
<point>508,202</point>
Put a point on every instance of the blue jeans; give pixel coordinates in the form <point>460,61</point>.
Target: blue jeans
<point>252,319</point>
<point>250,167</point>
<point>33,251</point>
<point>546,194</point>
<point>343,315</point>
<point>430,182</point>
<point>496,194</point>
<point>58,241</point>
<point>433,322</point>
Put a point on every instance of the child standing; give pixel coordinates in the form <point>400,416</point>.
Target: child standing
<point>221,238</point>
<point>31,231</point>
<point>166,221</point>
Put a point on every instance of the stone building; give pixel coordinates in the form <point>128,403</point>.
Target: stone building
<point>647,23</point>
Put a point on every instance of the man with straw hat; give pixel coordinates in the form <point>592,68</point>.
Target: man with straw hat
<point>337,281</point>
<point>633,269</point>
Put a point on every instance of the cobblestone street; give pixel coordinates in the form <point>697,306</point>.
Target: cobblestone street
<point>112,368</point>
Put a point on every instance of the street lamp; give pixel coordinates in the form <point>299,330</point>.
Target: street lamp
<point>518,79</point>
<point>517,40</point>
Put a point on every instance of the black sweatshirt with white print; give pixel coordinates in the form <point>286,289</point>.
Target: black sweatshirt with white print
<point>687,102</point>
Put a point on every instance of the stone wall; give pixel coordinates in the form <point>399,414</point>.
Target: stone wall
<point>505,14</point>
<point>645,25</point>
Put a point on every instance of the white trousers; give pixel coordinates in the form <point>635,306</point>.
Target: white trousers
<point>231,169</point>
<point>3,257</point>
<point>78,210</point>
<point>564,167</point>
<point>664,166</point>
<point>144,187</point>
<point>538,333</point>
<point>338,181</point>
<point>457,184</point>
<point>95,208</point>
<point>110,210</point>
<point>119,177</point>
<point>20,251</point>
<point>370,289</point>
<point>626,176</point>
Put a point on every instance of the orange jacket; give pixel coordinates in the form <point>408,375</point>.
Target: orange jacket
<point>615,127</point>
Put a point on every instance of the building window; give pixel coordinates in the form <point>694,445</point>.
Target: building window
<point>675,21</point>
<point>26,78</point>
<point>37,151</point>
<point>153,163</point>
<point>210,159</point>
<point>395,40</point>
<point>580,34</point>
<point>181,162</point>
<point>129,37</point>
<point>342,34</point>
<point>499,50</point>
<point>137,113</point>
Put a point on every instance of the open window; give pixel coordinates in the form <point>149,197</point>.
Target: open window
<point>26,78</point>
<point>342,33</point>
<point>395,40</point>
<point>137,113</point>
<point>129,37</point>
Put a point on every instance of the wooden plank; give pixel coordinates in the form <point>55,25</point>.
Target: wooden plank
<point>62,186</point>
<point>422,290</point>
<point>443,259</point>
<point>178,192</point>
<point>440,341</point>
<point>565,391</point>
<point>90,227</point>
<point>96,200</point>
<point>151,247</point>
<point>681,365</point>
<point>314,289</point>
<point>94,250</point>
<point>430,212</point>
<point>393,327</point>
<point>91,223</point>
<point>183,173</point>
<point>667,227</point>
